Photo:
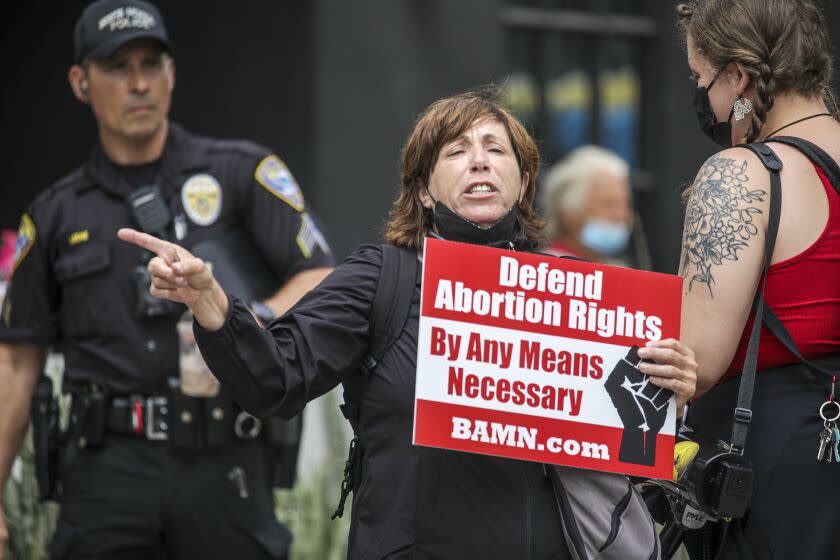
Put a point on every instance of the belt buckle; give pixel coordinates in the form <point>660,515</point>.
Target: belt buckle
<point>152,432</point>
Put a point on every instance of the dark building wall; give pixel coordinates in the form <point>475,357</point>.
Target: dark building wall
<point>378,63</point>
<point>46,131</point>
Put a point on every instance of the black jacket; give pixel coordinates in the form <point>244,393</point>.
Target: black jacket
<point>413,502</point>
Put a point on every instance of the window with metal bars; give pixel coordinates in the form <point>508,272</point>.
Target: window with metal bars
<point>575,72</point>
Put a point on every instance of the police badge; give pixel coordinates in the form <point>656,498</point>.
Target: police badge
<point>201,196</point>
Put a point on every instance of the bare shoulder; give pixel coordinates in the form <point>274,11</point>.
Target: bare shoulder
<point>726,214</point>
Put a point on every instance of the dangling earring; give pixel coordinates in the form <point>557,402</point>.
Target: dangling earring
<point>742,107</point>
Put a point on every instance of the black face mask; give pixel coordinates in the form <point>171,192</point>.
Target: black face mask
<point>453,227</point>
<point>719,132</point>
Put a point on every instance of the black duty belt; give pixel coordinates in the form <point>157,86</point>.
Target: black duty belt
<point>153,417</point>
<point>147,417</point>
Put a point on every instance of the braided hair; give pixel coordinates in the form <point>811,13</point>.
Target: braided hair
<point>783,45</point>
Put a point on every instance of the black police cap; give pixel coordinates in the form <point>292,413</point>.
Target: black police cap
<point>106,25</point>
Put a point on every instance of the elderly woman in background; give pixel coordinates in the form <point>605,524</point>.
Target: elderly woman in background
<point>587,200</point>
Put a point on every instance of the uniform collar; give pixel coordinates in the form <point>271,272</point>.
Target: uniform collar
<point>180,157</point>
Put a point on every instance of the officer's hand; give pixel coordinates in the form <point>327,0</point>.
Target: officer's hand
<point>675,368</point>
<point>179,276</point>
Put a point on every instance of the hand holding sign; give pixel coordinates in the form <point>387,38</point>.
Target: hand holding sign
<point>674,368</point>
<point>179,276</point>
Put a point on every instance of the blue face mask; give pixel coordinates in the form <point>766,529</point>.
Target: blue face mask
<point>607,238</point>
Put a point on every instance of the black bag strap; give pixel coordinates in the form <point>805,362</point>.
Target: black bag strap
<point>820,373</point>
<point>392,303</point>
<point>743,410</point>
<point>388,314</point>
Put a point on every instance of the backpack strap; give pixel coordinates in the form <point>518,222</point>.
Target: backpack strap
<point>392,302</point>
<point>388,314</point>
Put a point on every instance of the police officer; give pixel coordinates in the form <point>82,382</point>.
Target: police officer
<point>146,471</point>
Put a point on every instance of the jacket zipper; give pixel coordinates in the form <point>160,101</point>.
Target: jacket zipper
<point>529,517</point>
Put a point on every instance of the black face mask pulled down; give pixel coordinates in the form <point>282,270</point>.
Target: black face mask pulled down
<point>453,227</point>
<point>719,132</point>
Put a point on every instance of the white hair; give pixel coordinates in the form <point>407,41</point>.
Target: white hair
<point>567,183</point>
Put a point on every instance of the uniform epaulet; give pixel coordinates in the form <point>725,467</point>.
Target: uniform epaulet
<point>64,186</point>
<point>245,148</point>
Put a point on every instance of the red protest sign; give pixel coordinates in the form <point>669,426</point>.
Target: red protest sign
<point>531,357</point>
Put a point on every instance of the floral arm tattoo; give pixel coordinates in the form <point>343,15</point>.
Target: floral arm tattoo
<point>718,219</point>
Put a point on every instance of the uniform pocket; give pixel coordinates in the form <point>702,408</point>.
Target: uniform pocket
<point>82,272</point>
<point>82,261</point>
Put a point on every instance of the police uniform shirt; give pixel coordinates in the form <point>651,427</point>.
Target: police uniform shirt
<point>72,285</point>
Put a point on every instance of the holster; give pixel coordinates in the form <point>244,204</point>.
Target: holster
<point>283,440</point>
<point>89,411</point>
<point>45,438</point>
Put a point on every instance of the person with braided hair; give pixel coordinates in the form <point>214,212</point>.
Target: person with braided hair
<point>763,71</point>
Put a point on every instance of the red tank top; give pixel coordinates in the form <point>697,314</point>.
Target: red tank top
<point>804,291</point>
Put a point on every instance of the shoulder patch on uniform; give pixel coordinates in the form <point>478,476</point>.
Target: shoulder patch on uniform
<point>273,174</point>
<point>201,196</point>
<point>25,240</point>
<point>309,236</point>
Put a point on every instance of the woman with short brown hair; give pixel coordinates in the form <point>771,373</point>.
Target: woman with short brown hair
<point>468,175</point>
<point>441,123</point>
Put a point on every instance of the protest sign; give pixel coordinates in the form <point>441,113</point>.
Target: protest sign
<point>533,357</point>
